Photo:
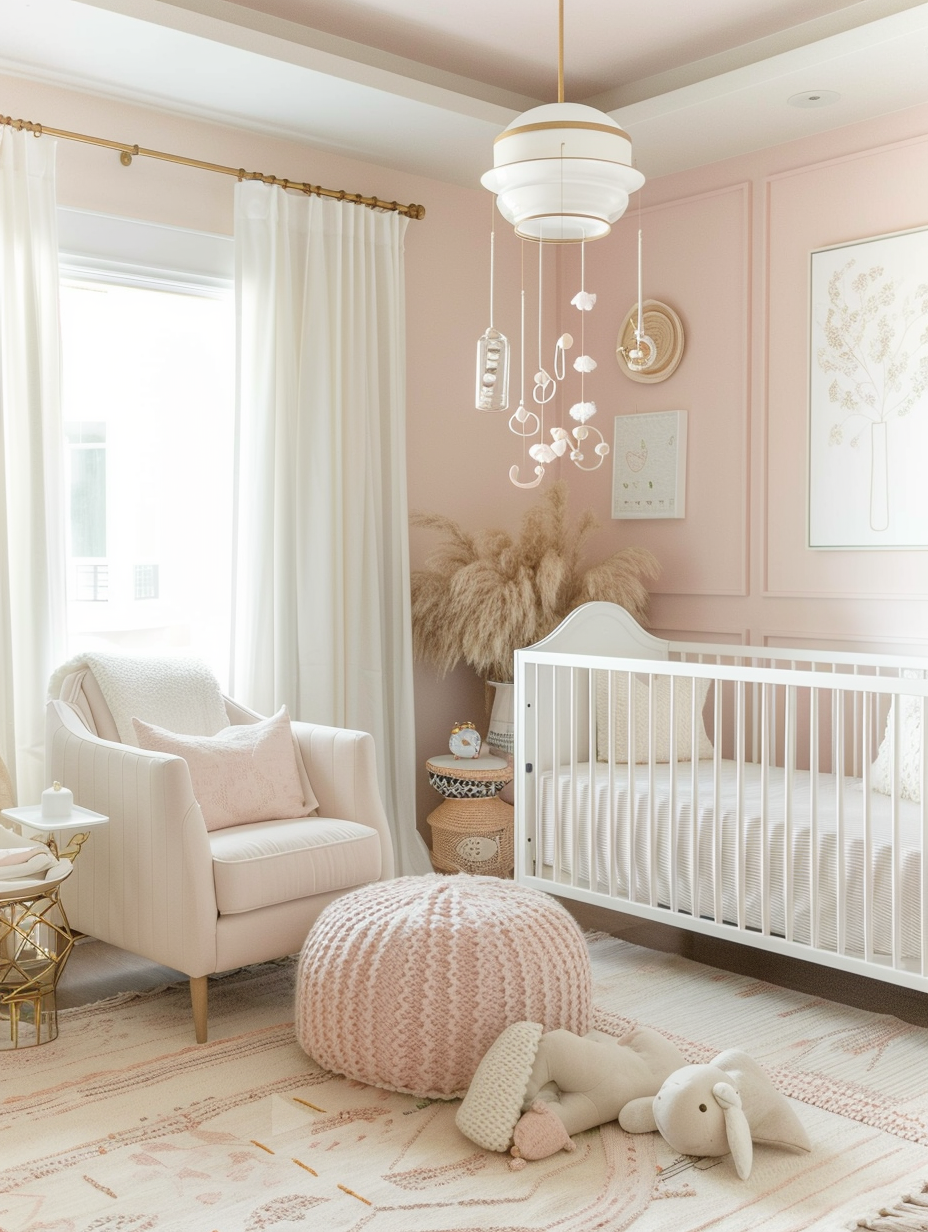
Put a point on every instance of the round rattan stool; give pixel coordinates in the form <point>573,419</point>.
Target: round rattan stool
<point>472,831</point>
<point>405,984</point>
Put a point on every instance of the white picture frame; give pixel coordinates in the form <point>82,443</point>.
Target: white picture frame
<point>649,465</point>
<point>868,393</point>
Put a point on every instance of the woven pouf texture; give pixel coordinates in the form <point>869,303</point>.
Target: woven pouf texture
<point>405,984</point>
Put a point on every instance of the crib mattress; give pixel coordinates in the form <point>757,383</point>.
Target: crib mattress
<point>614,852</point>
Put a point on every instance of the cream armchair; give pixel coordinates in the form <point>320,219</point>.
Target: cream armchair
<point>157,883</point>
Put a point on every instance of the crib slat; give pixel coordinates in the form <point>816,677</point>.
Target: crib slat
<point>638,891</point>
<point>695,717</point>
<point>653,892</point>
<point>573,818</point>
<point>555,763</point>
<point>612,819</point>
<point>923,879</point>
<point>896,830</point>
<point>814,931</point>
<point>673,820</point>
<point>740,739</point>
<point>868,712</point>
<point>765,703</point>
<point>837,764</point>
<point>717,808</point>
<point>789,856</point>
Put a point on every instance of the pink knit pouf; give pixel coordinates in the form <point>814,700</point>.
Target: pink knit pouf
<point>405,984</point>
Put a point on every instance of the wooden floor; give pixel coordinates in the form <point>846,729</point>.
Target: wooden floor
<point>96,971</point>
<point>825,982</point>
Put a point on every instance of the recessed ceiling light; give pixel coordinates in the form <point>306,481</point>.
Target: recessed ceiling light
<point>814,98</point>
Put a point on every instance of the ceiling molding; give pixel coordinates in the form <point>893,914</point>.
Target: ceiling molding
<point>233,65</point>
<point>261,34</point>
<point>751,55</point>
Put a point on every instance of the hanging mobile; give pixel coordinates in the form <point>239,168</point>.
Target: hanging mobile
<point>643,354</point>
<point>492,358</point>
<point>545,385</point>
<point>523,422</point>
<point>583,410</point>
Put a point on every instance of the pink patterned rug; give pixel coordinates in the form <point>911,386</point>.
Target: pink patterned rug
<point>124,1125</point>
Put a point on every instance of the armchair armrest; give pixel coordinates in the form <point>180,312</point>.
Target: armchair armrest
<point>342,768</point>
<point>145,881</point>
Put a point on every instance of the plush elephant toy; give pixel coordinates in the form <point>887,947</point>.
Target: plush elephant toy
<point>534,1089</point>
<point>725,1106</point>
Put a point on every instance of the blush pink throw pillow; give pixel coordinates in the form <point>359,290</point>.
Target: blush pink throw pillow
<point>247,772</point>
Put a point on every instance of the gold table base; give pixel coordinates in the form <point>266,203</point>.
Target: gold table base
<point>35,941</point>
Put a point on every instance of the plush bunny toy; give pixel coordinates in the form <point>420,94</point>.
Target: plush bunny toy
<point>712,1109</point>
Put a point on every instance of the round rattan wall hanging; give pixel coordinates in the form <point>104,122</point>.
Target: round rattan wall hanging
<point>662,325</point>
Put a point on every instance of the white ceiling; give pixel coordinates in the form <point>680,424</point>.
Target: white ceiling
<point>425,85</point>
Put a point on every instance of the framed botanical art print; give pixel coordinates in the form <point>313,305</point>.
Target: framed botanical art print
<point>868,393</point>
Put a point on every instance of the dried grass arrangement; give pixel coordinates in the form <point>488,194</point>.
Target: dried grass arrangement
<point>484,595</point>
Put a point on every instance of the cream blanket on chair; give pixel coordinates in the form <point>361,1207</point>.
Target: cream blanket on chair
<point>177,693</point>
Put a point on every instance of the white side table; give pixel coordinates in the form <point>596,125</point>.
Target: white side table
<point>35,937</point>
<point>80,820</point>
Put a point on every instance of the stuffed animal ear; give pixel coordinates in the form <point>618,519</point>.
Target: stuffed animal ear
<point>637,1117</point>
<point>737,1130</point>
<point>770,1115</point>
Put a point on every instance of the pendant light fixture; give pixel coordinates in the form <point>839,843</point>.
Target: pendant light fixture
<point>562,172</point>
<point>562,175</point>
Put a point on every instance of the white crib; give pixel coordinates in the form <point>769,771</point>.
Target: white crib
<point>755,794</point>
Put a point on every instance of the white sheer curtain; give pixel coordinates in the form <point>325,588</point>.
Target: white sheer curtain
<point>32,549</point>
<point>321,617</point>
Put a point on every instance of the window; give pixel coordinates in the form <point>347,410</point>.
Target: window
<point>146,581</point>
<point>90,582</point>
<point>87,448</point>
<point>148,404</point>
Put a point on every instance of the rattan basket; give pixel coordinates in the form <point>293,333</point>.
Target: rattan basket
<point>473,836</point>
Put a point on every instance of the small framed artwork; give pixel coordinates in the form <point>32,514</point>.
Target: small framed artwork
<point>868,393</point>
<point>649,465</point>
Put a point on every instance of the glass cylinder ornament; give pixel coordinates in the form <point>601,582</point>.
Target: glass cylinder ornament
<point>492,371</point>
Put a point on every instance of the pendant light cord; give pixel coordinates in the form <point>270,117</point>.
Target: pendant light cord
<point>582,315</point>
<point>522,334</point>
<point>560,51</point>
<point>541,249</point>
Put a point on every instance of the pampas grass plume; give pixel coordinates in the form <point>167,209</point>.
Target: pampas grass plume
<point>482,596</point>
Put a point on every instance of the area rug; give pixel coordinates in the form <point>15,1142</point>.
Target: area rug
<point>124,1125</point>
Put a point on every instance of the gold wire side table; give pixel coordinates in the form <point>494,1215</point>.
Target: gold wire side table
<point>472,831</point>
<point>35,937</point>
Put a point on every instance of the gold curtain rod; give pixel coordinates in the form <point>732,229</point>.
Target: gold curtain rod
<point>128,152</point>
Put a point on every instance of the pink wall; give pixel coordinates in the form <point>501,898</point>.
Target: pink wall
<point>726,245</point>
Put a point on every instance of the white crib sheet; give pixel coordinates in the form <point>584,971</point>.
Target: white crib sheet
<point>652,807</point>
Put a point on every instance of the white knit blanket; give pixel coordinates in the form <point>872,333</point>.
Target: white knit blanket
<point>178,693</point>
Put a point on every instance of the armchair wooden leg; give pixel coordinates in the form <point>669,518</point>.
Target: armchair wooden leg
<point>198,999</point>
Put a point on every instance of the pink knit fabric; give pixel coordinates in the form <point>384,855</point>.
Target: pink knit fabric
<point>405,984</point>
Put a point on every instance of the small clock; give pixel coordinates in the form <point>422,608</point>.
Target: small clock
<point>465,740</point>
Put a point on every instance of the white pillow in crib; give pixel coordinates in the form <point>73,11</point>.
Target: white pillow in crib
<point>682,696</point>
<point>910,753</point>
